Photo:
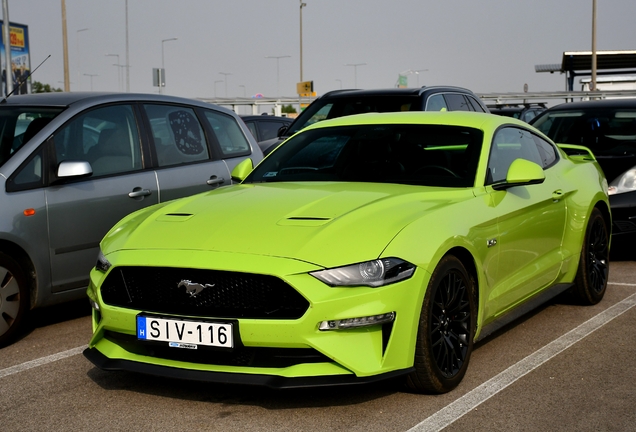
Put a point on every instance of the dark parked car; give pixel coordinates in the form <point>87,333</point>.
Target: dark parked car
<point>74,164</point>
<point>524,112</point>
<point>340,103</point>
<point>265,127</point>
<point>608,128</point>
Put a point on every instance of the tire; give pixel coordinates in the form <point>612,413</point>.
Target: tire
<point>592,274</point>
<point>14,298</point>
<point>446,329</point>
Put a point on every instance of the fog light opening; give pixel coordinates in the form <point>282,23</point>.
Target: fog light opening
<point>348,323</point>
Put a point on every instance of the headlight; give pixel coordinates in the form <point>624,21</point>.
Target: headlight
<point>374,273</point>
<point>102,263</point>
<point>626,182</point>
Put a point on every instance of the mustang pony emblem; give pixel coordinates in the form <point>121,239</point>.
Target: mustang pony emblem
<point>193,288</point>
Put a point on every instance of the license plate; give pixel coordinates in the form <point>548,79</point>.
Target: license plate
<point>184,334</point>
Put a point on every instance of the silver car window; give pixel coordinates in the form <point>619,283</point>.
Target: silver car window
<point>177,134</point>
<point>105,137</point>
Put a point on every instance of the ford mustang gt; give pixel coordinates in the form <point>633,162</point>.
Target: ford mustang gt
<point>367,247</point>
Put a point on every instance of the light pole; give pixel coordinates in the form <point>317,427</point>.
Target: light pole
<point>78,56</point>
<point>162,80</point>
<point>225,74</point>
<point>218,81</point>
<point>127,53</point>
<point>91,75</point>
<point>340,81</point>
<point>278,71</point>
<point>302,5</point>
<point>118,70</point>
<point>244,91</point>
<point>593,84</point>
<point>355,72</point>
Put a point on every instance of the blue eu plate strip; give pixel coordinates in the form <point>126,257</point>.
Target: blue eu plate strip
<point>141,327</point>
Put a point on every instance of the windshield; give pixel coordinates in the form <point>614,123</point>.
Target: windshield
<point>604,131</point>
<point>430,155</point>
<point>18,124</point>
<point>323,109</point>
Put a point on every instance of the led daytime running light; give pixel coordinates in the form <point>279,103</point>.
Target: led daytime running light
<point>349,323</point>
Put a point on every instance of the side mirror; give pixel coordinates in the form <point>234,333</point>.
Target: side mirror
<point>242,170</point>
<point>281,131</point>
<point>68,169</point>
<point>521,173</point>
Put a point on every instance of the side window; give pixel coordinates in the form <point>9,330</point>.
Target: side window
<point>436,103</point>
<point>476,106</point>
<point>252,127</point>
<point>457,102</point>
<point>269,129</point>
<point>105,137</point>
<point>28,176</point>
<point>228,134</point>
<point>177,134</point>
<point>509,144</point>
<point>547,152</point>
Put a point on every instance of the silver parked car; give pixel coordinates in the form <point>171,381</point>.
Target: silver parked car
<point>73,164</point>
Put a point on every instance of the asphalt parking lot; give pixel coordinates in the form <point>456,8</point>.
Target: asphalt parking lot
<point>563,367</point>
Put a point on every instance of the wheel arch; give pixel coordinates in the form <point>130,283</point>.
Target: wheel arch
<point>607,215</point>
<point>468,261</point>
<point>25,262</point>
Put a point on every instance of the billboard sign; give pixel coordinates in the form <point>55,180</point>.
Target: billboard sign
<point>20,58</point>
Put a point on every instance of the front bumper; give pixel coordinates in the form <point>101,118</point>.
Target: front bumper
<point>358,355</point>
<point>271,381</point>
<point>623,207</point>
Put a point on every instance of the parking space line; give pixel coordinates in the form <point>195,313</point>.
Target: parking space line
<point>41,361</point>
<point>622,284</point>
<point>457,409</point>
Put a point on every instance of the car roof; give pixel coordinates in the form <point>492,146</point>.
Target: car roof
<point>602,103</point>
<point>266,118</point>
<point>447,118</point>
<point>393,91</point>
<point>70,98</point>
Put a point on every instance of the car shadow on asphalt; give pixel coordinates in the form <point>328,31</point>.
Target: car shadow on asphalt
<point>51,315</point>
<point>232,394</point>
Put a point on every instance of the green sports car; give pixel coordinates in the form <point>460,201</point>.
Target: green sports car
<point>363,248</point>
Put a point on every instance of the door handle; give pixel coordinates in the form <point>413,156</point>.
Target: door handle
<point>557,195</point>
<point>139,193</point>
<point>214,180</point>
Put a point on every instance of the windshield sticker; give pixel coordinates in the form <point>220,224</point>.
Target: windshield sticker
<point>270,174</point>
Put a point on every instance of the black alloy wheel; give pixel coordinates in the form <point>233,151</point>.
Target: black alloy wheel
<point>592,274</point>
<point>446,330</point>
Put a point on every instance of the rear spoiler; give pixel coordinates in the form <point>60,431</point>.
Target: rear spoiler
<point>577,152</point>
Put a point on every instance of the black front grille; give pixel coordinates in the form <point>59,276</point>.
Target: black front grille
<point>241,356</point>
<point>227,295</point>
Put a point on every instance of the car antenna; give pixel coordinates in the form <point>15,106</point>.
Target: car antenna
<point>23,80</point>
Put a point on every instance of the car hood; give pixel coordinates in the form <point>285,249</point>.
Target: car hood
<point>326,224</point>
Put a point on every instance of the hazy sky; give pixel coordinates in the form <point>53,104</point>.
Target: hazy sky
<point>486,45</point>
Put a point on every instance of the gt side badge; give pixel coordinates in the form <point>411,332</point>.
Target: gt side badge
<point>491,242</point>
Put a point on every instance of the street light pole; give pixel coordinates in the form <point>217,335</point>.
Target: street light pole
<point>118,70</point>
<point>225,74</point>
<point>278,71</point>
<point>244,91</point>
<point>162,78</point>
<point>218,81</point>
<point>593,84</point>
<point>127,53</point>
<point>91,76</point>
<point>355,72</point>
<point>78,57</point>
<point>302,5</point>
